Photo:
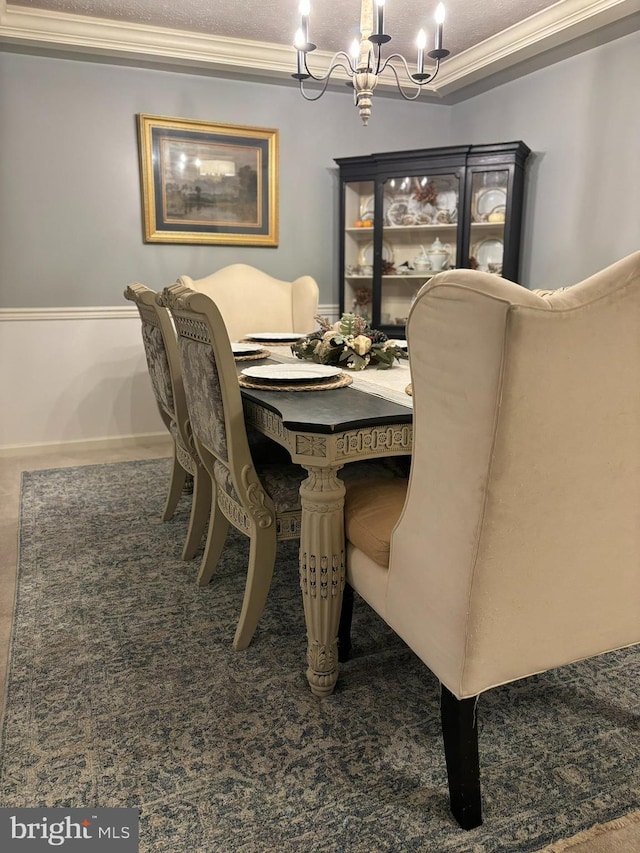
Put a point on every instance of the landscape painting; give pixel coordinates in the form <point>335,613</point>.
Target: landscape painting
<point>208,183</point>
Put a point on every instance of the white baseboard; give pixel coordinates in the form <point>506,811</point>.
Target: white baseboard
<point>161,440</point>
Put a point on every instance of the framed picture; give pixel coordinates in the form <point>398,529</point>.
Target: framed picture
<point>208,183</point>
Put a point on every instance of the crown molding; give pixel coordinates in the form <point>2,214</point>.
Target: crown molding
<point>550,28</point>
<point>120,39</point>
<point>43,31</point>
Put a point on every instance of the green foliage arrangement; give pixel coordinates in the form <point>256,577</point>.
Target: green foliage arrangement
<point>348,343</point>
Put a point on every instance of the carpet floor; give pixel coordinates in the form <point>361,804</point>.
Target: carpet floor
<point>124,690</point>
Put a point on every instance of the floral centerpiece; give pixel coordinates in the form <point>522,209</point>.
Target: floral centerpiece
<point>348,343</point>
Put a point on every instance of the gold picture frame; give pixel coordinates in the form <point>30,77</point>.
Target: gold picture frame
<point>208,183</point>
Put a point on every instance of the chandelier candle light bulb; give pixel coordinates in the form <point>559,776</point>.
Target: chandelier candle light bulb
<point>354,51</point>
<point>380,18</point>
<point>421,41</point>
<point>305,10</point>
<point>364,63</point>
<point>440,13</point>
<point>299,41</point>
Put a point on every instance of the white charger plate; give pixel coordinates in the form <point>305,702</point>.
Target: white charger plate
<point>366,254</point>
<point>397,342</point>
<point>287,373</point>
<point>274,337</point>
<point>488,252</point>
<point>489,200</point>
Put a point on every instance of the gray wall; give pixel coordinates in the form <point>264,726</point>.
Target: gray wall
<point>581,118</point>
<point>70,205</point>
<point>70,211</point>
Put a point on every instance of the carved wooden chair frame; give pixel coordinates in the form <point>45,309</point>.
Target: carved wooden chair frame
<point>197,318</point>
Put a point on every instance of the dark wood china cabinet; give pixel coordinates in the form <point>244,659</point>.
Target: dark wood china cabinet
<point>406,215</point>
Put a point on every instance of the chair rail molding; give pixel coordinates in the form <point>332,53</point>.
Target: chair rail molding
<point>109,312</point>
<point>115,312</point>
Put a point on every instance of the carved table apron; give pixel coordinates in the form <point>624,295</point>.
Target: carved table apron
<point>323,431</point>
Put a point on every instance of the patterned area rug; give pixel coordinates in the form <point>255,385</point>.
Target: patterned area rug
<point>124,690</point>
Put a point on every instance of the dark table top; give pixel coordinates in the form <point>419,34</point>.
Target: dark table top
<point>328,411</point>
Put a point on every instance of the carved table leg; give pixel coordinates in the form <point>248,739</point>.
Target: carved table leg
<point>322,573</point>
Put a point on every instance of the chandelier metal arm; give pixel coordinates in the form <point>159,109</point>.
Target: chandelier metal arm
<point>428,78</point>
<point>333,65</point>
<point>415,95</point>
<point>336,62</point>
<point>319,94</point>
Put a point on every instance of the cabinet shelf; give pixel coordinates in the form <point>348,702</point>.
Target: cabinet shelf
<point>488,226</point>
<point>360,232</point>
<point>409,276</point>
<point>389,230</point>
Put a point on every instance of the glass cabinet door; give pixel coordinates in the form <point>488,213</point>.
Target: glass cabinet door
<point>419,238</point>
<point>489,198</point>
<point>359,210</point>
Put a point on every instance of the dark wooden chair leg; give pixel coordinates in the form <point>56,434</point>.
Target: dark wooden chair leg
<point>344,628</point>
<point>460,734</point>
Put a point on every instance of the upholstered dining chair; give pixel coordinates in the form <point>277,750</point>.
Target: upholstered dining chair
<point>260,499</point>
<point>515,547</point>
<point>251,300</point>
<point>163,362</point>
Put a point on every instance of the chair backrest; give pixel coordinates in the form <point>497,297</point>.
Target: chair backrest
<point>518,548</point>
<point>163,362</point>
<point>213,396</point>
<point>250,300</point>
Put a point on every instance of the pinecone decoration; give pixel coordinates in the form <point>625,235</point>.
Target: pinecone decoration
<point>378,337</point>
<point>427,194</point>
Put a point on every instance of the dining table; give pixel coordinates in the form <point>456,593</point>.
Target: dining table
<point>324,430</point>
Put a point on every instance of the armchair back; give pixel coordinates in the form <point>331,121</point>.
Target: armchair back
<point>518,549</point>
<point>251,300</point>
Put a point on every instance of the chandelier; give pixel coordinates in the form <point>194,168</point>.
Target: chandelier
<point>364,63</point>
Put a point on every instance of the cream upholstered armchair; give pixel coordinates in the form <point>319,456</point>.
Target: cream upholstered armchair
<point>163,362</point>
<point>253,301</point>
<point>516,546</point>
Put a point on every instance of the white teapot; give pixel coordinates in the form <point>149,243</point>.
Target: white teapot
<point>421,262</point>
<point>438,254</point>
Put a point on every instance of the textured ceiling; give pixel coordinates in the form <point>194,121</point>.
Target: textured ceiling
<point>334,23</point>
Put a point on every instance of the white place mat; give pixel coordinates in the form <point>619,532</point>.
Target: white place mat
<point>388,384</point>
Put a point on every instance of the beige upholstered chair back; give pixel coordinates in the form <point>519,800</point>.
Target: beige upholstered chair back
<point>518,549</point>
<point>250,300</point>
